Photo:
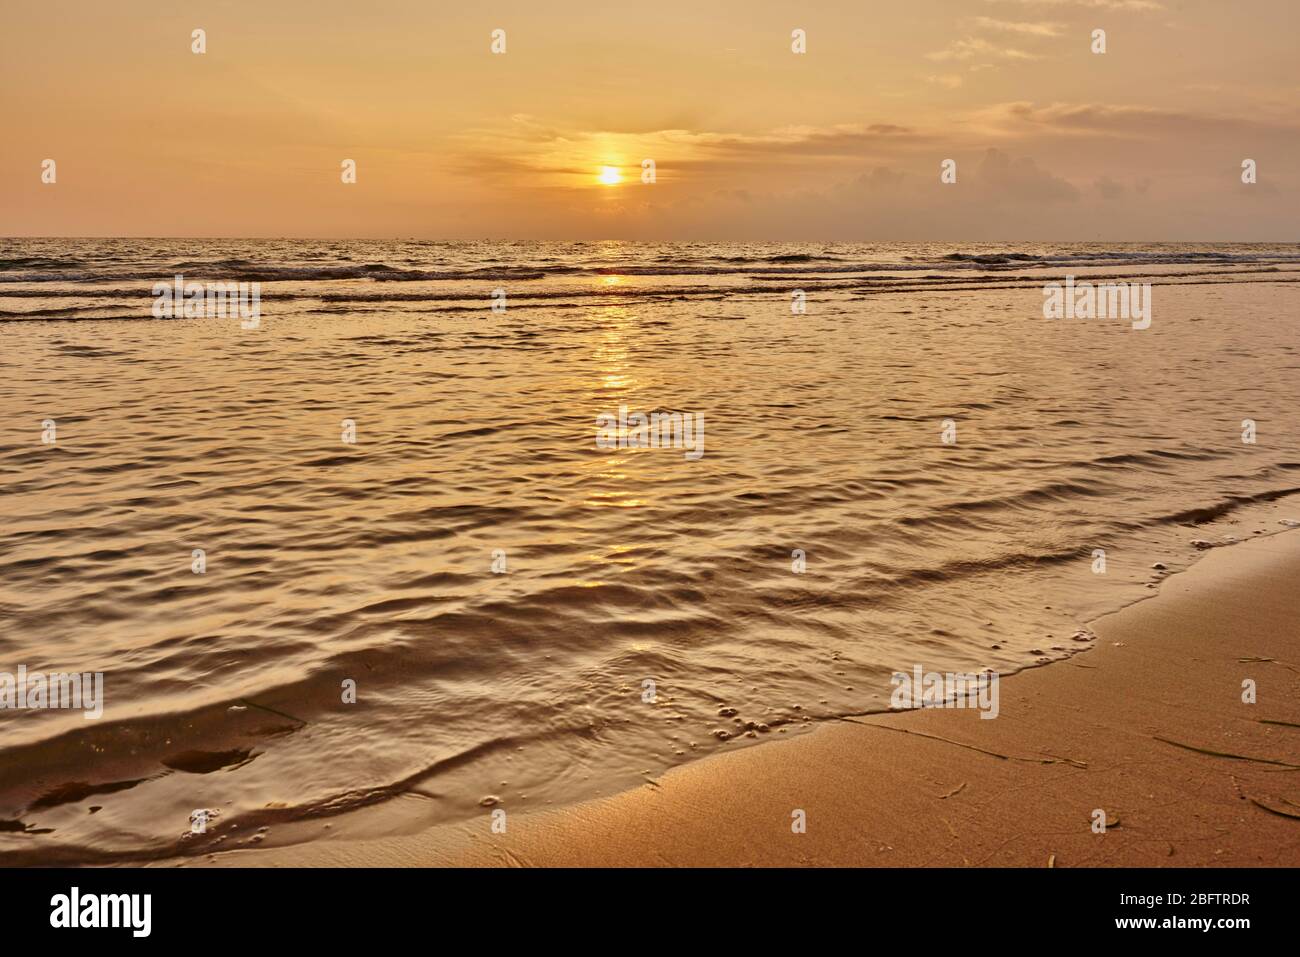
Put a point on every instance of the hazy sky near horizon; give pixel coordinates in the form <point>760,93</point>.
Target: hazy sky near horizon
<point>750,140</point>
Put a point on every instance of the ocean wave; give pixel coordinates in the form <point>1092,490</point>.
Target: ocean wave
<point>525,268</point>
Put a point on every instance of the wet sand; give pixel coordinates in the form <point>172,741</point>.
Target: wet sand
<point>1110,728</point>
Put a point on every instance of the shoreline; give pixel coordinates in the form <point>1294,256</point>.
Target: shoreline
<point>1124,727</point>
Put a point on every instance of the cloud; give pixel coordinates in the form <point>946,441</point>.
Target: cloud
<point>840,140</point>
<point>1021,179</point>
<point>950,80</point>
<point>969,47</point>
<point>1022,29</point>
<point>1109,188</point>
<point>882,178</point>
<point>1119,121</point>
<point>735,195</point>
<point>1133,5</point>
<point>531,155</point>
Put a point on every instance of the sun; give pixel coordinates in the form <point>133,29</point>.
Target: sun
<point>610,176</point>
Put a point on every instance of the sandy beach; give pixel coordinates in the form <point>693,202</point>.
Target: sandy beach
<point>1109,729</point>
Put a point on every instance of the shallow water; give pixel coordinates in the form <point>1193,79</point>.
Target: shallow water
<point>475,434</point>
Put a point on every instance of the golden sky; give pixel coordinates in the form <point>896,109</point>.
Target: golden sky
<point>750,140</point>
